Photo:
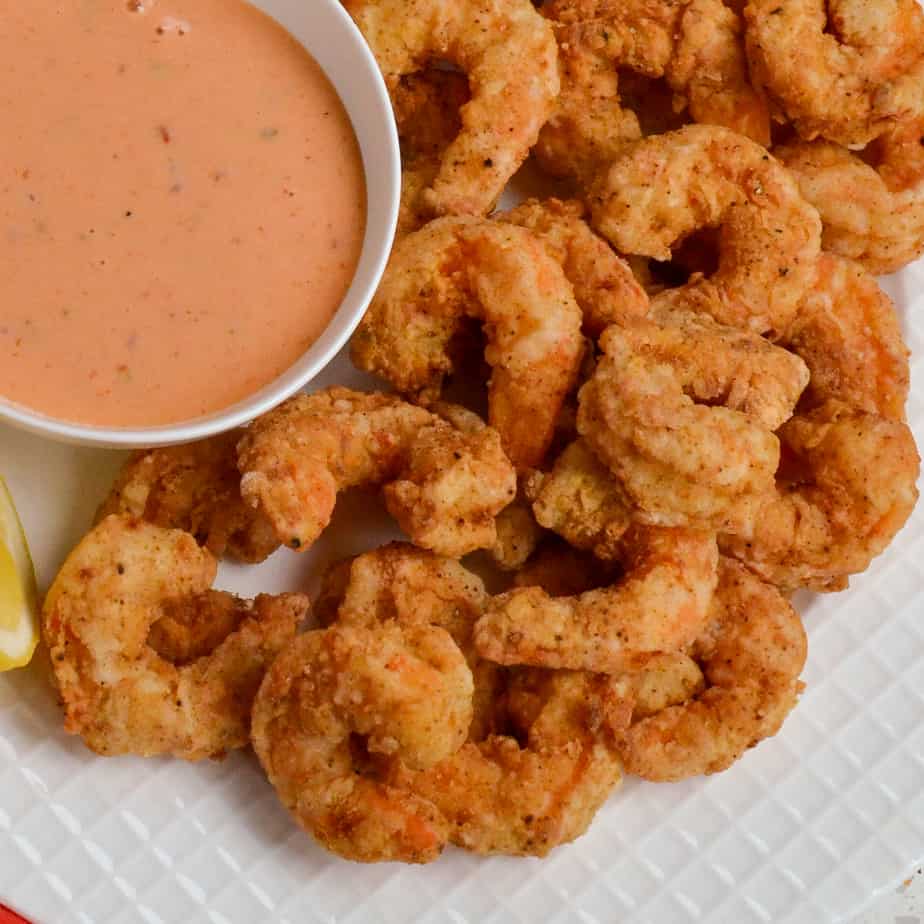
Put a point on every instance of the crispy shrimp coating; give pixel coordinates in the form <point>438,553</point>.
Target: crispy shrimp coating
<point>411,587</point>
<point>871,206</point>
<point>846,488</point>
<point>679,462</point>
<point>563,571</point>
<point>195,488</point>
<point>506,278</point>
<point>518,534</point>
<point>443,486</point>
<point>751,659</point>
<point>845,70</point>
<point>122,696</point>
<point>697,45</point>
<point>604,286</point>
<point>848,333</point>
<point>581,501</point>
<point>406,691</point>
<point>499,796</point>
<point>660,605</point>
<point>668,679</point>
<point>427,111</point>
<point>507,50</point>
<point>740,369</point>
<point>662,189</point>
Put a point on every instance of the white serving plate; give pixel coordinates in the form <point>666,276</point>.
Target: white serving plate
<point>808,827</point>
<point>811,826</point>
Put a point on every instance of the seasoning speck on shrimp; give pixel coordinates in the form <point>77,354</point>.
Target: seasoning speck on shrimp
<point>443,485</point>
<point>119,693</point>
<point>406,691</point>
<point>503,276</point>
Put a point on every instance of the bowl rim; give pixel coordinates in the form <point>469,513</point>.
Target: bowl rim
<point>286,385</point>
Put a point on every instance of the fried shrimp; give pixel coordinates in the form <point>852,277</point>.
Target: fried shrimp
<point>195,488</point>
<point>663,188</point>
<point>503,276</point>
<point>406,691</point>
<point>427,111</point>
<point>507,50</point>
<point>848,333</point>
<point>444,486</point>
<point>604,286</point>
<point>581,501</point>
<point>119,694</point>
<point>660,605</point>
<point>846,488</point>
<point>563,571</point>
<point>518,534</point>
<point>696,45</point>
<point>411,587</point>
<point>665,680</point>
<point>721,364</point>
<point>500,797</point>
<point>845,70</point>
<point>871,204</point>
<point>679,462</point>
<point>751,659</point>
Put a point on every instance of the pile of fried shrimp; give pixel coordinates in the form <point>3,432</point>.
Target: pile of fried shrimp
<point>685,402</point>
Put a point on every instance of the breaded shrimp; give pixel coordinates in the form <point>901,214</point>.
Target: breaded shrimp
<point>581,500</point>
<point>427,110</point>
<point>563,571</point>
<point>500,797</point>
<point>721,364</point>
<point>845,70</point>
<point>663,188</point>
<point>406,691</point>
<point>518,534</point>
<point>506,49</point>
<point>846,488</point>
<point>444,486</point>
<point>411,587</point>
<point>660,605</point>
<point>503,276</point>
<point>751,658</point>
<point>679,462</point>
<point>697,45</point>
<point>848,333</point>
<point>604,286</point>
<point>195,488</point>
<point>669,679</point>
<point>871,202</point>
<point>118,693</point>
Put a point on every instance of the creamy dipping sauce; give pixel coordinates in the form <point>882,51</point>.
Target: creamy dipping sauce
<point>182,206</point>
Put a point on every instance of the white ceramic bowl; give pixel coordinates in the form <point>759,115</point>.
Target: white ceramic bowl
<point>327,31</point>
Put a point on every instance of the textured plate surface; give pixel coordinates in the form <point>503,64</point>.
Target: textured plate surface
<point>809,827</point>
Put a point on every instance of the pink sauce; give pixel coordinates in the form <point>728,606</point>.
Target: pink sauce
<point>182,206</point>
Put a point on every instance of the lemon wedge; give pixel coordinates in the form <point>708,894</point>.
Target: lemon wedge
<point>18,593</point>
